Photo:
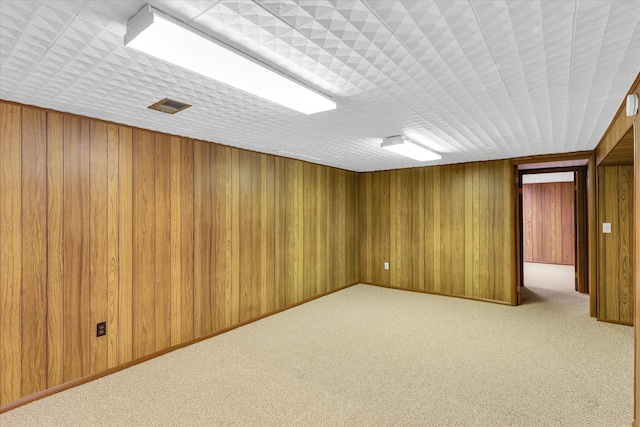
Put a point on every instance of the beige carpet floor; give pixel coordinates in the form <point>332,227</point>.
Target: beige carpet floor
<point>369,356</point>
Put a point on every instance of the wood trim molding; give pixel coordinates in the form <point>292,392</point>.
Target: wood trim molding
<point>420,291</point>
<point>615,322</point>
<point>621,109</point>
<point>548,158</point>
<point>79,381</point>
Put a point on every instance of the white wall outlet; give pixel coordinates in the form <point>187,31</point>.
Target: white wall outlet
<point>386,265</point>
<point>606,227</point>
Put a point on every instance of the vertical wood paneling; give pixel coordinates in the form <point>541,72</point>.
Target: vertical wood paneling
<point>163,260</point>
<point>615,251</point>
<point>34,250</point>
<point>10,253</point>
<point>364,221</point>
<point>144,320</point>
<point>125,245</point>
<point>458,226</point>
<point>222,280</point>
<point>175,248</point>
<point>186,235</point>
<point>626,231</point>
<point>337,230</point>
<point>267,229</point>
<point>436,228</point>
<point>418,239</point>
<point>311,243</point>
<point>233,166</point>
<point>250,260</point>
<point>327,217</point>
<point>322,229</point>
<point>55,272</point>
<point>98,264</point>
<point>219,237</point>
<point>299,221</point>
<point>352,225</point>
<point>384,230</point>
<point>429,221</point>
<point>448,229</point>
<point>548,222</point>
<point>280,233</point>
<point>112,246</point>
<point>203,238</point>
<point>444,229</point>
<point>164,238</point>
<point>76,247</point>
<point>567,224</point>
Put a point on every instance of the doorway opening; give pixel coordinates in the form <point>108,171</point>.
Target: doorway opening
<point>552,229</point>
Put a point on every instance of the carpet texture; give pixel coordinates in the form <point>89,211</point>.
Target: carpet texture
<point>369,356</point>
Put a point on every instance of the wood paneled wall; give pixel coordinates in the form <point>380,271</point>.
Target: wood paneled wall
<point>443,229</point>
<point>615,250</point>
<point>165,238</point>
<point>549,222</point>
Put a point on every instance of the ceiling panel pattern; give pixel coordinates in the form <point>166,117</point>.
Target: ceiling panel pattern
<point>472,80</point>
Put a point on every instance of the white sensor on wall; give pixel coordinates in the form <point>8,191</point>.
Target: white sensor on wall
<point>406,147</point>
<point>632,105</point>
<point>156,34</point>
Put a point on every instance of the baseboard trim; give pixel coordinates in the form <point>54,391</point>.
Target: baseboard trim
<point>421,291</point>
<point>615,322</point>
<point>79,381</point>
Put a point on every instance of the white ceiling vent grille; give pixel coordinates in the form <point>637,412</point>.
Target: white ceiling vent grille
<point>169,106</point>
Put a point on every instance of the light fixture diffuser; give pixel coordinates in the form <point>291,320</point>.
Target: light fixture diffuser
<point>406,147</point>
<point>156,34</point>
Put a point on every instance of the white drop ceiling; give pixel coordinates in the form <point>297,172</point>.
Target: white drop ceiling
<point>472,79</point>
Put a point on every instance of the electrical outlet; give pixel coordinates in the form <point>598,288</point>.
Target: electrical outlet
<point>386,265</point>
<point>606,227</point>
<point>101,329</point>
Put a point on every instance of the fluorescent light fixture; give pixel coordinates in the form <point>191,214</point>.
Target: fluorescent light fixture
<point>406,147</point>
<point>156,34</point>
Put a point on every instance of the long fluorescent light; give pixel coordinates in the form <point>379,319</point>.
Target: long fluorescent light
<point>406,147</point>
<point>159,35</point>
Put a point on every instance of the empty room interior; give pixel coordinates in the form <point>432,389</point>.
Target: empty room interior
<point>319,213</point>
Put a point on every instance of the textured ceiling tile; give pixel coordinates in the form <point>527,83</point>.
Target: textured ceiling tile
<point>472,80</point>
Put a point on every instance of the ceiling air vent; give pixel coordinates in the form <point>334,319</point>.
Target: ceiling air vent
<point>169,106</point>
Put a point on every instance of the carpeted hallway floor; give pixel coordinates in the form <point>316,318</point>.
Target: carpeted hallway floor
<point>369,356</point>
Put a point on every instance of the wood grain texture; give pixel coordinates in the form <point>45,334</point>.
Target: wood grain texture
<point>125,245</point>
<point>34,250</point>
<point>163,260</point>
<point>249,211</point>
<point>615,253</point>
<point>165,238</point>
<point>55,272</point>
<point>186,200</point>
<point>549,223</point>
<point>203,229</point>
<point>143,301</point>
<point>77,330</point>
<point>221,239</point>
<point>175,244</point>
<point>621,153</point>
<point>444,229</point>
<point>267,240</point>
<point>10,253</point>
<point>233,170</point>
<point>98,236</point>
<point>636,265</point>
<point>113,273</point>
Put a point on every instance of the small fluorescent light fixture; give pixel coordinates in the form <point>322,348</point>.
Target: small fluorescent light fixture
<point>159,35</point>
<point>406,147</point>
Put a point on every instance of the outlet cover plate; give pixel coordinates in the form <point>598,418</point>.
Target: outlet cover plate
<point>101,329</point>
